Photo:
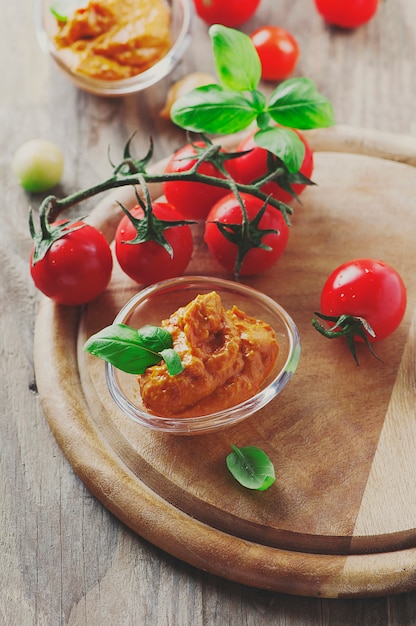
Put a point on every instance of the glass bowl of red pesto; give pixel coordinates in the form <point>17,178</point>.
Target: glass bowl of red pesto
<point>158,302</point>
<point>115,47</point>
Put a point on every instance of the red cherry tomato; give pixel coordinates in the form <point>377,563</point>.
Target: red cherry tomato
<point>347,13</point>
<point>278,51</point>
<point>253,165</point>
<point>369,289</point>
<point>227,12</point>
<point>228,211</point>
<point>76,268</point>
<point>193,200</point>
<point>149,262</point>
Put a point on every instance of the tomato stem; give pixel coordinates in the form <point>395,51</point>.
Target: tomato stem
<point>133,172</point>
<point>348,326</point>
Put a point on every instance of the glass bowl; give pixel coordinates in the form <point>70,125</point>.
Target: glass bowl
<point>158,302</point>
<point>181,18</point>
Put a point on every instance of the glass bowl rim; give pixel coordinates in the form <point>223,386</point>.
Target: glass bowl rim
<point>228,416</point>
<point>123,86</point>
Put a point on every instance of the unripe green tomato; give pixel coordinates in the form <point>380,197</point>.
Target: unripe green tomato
<point>38,165</point>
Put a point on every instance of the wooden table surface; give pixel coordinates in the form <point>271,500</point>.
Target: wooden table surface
<point>64,558</point>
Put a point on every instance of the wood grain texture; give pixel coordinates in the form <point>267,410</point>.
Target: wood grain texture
<point>65,558</point>
<point>336,463</point>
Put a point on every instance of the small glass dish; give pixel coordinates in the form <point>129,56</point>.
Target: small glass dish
<point>181,19</point>
<point>158,302</point>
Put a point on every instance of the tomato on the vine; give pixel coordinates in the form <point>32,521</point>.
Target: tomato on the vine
<point>77,266</point>
<point>253,165</point>
<point>230,13</point>
<point>149,261</point>
<point>347,13</point>
<point>193,200</point>
<point>368,289</point>
<point>278,51</point>
<point>267,246</point>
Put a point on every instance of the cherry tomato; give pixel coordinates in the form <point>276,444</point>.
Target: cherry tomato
<point>347,13</point>
<point>76,268</point>
<point>150,262</point>
<point>278,51</point>
<point>369,289</point>
<point>227,12</point>
<point>38,165</point>
<point>253,165</point>
<point>193,200</point>
<point>228,211</point>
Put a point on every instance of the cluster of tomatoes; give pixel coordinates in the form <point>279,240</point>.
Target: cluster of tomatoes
<point>277,48</point>
<point>221,211</point>
<point>76,263</point>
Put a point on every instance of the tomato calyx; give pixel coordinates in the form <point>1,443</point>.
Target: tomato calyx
<point>49,233</point>
<point>348,326</point>
<point>206,150</point>
<point>129,165</point>
<point>245,235</point>
<point>277,172</point>
<point>149,227</point>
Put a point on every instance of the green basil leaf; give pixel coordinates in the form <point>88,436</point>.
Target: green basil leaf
<point>154,338</point>
<point>133,351</point>
<point>172,360</point>
<point>251,467</point>
<point>284,143</point>
<point>297,103</point>
<point>212,109</point>
<point>119,345</point>
<point>236,60</point>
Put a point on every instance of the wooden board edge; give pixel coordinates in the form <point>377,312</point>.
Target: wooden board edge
<point>370,142</point>
<point>243,562</point>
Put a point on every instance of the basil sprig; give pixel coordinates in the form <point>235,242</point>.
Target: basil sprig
<point>236,102</point>
<point>251,467</point>
<point>132,350</point>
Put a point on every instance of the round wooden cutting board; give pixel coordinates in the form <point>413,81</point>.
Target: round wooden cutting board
<point>340,520</point>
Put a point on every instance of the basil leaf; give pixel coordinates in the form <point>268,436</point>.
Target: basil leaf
<point>284,143</point>
<point>119,345</point>
<point>172,360</point>
<point>297,103</point>
<point>212,109</point>
<point>251,467</point>
<point>236,102</point>
<point>236,61</point>
<point>133,351</point>
<point>154,338</point>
